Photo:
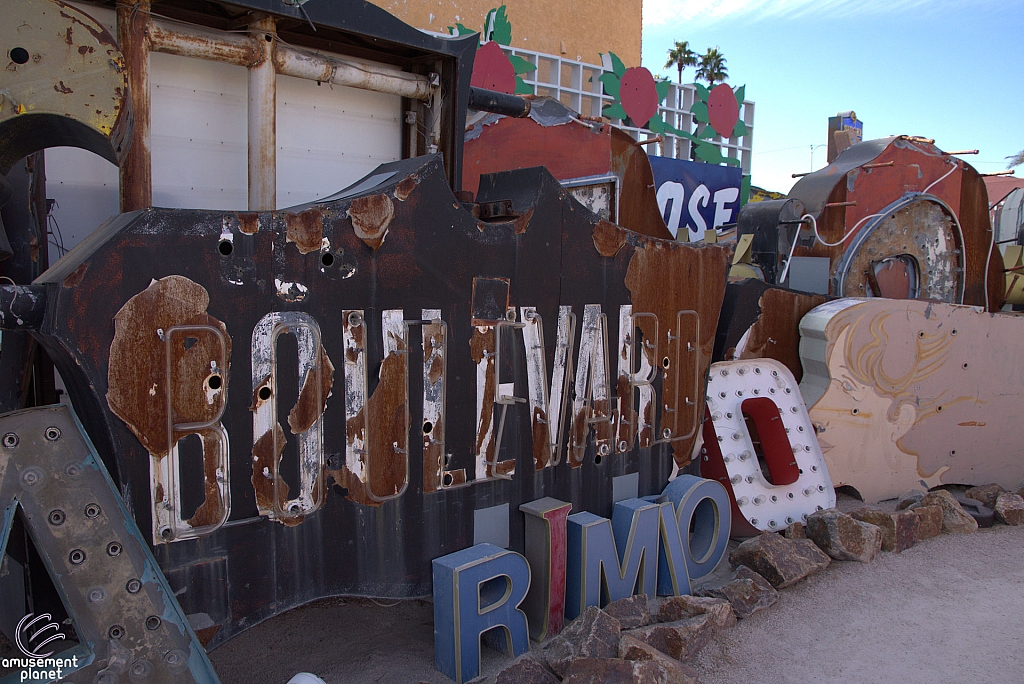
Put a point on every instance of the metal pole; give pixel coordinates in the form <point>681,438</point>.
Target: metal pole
<point>136,175</point>
<point>263,119</point>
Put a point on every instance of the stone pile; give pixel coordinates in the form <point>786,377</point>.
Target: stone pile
<point>640,641</point>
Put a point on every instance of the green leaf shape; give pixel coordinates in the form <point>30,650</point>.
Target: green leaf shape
<point>702,92</point>
<point>740,94</point>
<point>611,83</point>
<point>707,133</point>
<point>497,26</point>
<point>731,161</point>
<point>460,30</point>
<point>700,112</point>
<point>740,129</point>
<point>709,153</point>
<point>522,87</point>
<point>614,111</point>
<point>744,189</point>
<point>657,125</point>
<point>681,134</point>
<point>521,66</point>
<point>662,88</point>
<point>617,66</point>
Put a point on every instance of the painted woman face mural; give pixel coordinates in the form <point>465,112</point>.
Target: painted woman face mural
<point>918,394</point>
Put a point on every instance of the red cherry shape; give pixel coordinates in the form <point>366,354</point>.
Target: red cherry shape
<point>723,110</point>
<point>492,69</point>
<point>638,95</point>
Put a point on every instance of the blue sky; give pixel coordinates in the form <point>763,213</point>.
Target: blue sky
<point>944,69</point>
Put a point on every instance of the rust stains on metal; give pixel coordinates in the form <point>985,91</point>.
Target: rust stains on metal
<point>520,225</point>
<point>266,454</point>
<point>972,423</point>
<point>61,88</point>
<point>249,223</point>
<point>405,187</point>
<point>306,411</point>
<point>211,510</point>
<point>136,176</point>
<point>541,448</point>
<point>481,349</point>
<point>381,426</point>
<point>137,376</point>
<point>371,216</point>
<point>305,230</point>
<point>75,277</point>
<point>665,278</point>
<point>433,433</point>
<point>776,332</point>
<point>608,238</point>
<point>149,364</point>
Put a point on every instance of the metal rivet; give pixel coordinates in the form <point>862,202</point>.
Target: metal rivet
<point>152,623</point>
<point>52,434</point>
<point>113,549</point>
<point>76,557</point>
<point>97,594</point>
<point>140,671</point>
<point>10,440</point>
<point>93,510</point>
<point>32,477</point>
<point>73,470</point>
<point>116,632</point>
<point>133,586</point>
<point>57,517</point>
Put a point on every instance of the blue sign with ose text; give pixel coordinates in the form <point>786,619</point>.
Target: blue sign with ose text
<point>694,197</point>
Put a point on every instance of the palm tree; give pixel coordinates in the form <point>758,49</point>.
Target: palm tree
<point>712,67</point>
<point>681,56</point>
<point>1015,159</point>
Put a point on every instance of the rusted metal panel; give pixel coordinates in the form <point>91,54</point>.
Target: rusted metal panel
<point>64,84</point>
<point>893,198</point>
<point>638,198</point>
<point>495,307</point>
<point>762,321</point>
<point>913,393</point>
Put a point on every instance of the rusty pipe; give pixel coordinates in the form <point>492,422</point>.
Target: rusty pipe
<point>483,100</point>
<point>963,152</point>
<point>291,62</point>
<point>201,43</point>
<point>136,172</point>
<point>263,119</point>
<point>999,173</point>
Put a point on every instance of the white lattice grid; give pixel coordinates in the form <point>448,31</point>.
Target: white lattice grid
<point>576,85</point>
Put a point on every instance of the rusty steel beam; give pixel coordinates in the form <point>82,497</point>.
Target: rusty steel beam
<point>292,62</point>
<point>136,174</point>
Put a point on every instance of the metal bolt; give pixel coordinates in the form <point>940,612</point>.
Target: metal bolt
<point>57,517</point>
<point>176,660</point>
<point>106,677</point>
<point>93,510</point>
<point>133,586</point>
<point>76,557</point>
<point>31,477</point>
<point>116,632</point>
<point>52,434</point>
<point>140,671</point>
<point>10,440</point>
<point>113,549</point>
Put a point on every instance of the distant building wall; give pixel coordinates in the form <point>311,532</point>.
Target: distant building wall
<point>573,29</point>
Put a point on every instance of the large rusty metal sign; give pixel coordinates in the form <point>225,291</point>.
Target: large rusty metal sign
<point>315,401</point>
